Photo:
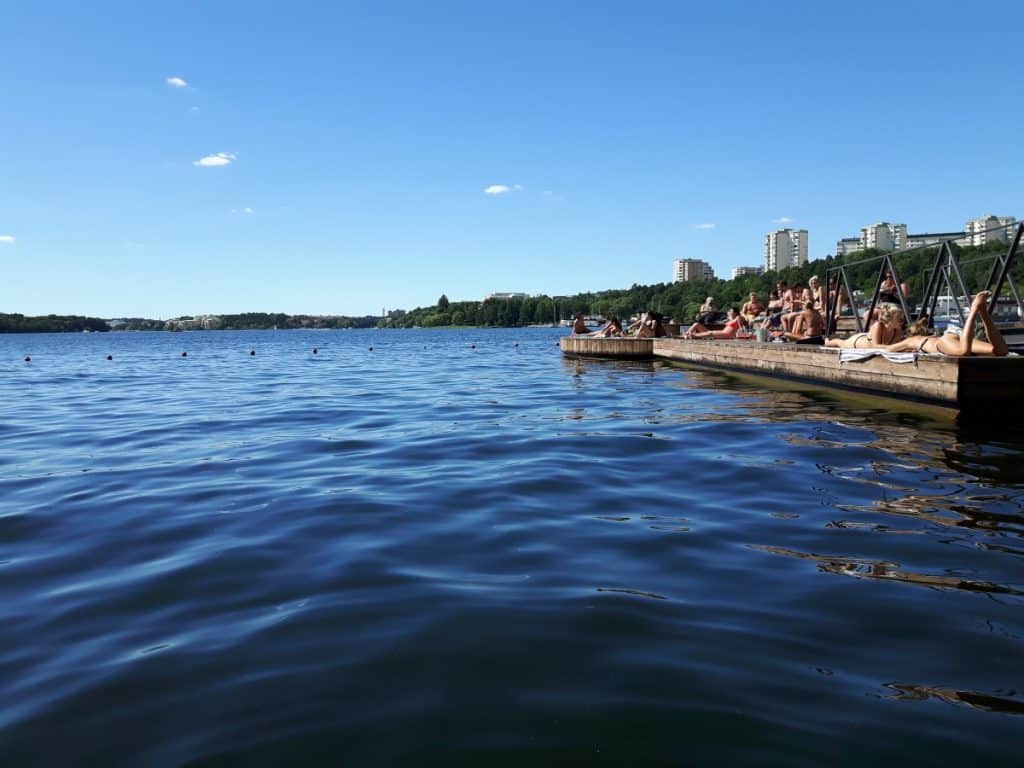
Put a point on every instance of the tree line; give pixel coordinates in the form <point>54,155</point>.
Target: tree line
<point>681,301</point>
<point>674,300</point>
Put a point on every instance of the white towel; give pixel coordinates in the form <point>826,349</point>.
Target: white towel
<point>858,355</point>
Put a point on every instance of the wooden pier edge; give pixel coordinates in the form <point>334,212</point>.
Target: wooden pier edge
<point>982,384</point>
<point>622,349</point>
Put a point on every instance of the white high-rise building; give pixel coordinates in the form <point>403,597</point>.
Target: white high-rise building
<point>884,236</point>
<point>848,245</point>
<point>987,229</point>
<point>785,248</point>
<point>742,271</point>
<point>685,270</point>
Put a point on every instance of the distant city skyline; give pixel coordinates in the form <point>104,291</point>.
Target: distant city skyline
<point>333,159</point>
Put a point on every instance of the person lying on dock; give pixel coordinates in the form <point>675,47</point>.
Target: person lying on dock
<point>809,326</point>
<point>732,327</point>
<point>612,328</point>
<point>886,330</point>
<point>952,344</point>
<point>753,308</point>
<point>652,327</point>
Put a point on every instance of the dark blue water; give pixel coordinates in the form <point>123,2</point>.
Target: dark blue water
<point>430,553</point>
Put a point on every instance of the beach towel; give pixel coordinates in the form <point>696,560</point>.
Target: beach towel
<point>858,355</point>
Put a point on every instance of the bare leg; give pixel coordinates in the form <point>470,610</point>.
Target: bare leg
<point>995,338</point>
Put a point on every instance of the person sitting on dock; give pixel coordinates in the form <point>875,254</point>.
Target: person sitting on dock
<point>952,344</point>
<point>753,308</point>
<point>787,305</point>
<point>732,327</point>
<point>800,297</point>
<point>886,330</point>
<point>809,326</point>
<point>579,326</point>
<point>708,312</point>
<point>637,324</point>
<point>612,328</point>
<point>652,327</point>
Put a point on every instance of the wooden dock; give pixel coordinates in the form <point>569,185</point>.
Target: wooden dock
<point>620,348</point>
<point>965,383</point>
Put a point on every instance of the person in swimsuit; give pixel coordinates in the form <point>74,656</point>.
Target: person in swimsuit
<point>732,327</point>
<point>579,326</point>
<point>964,344</point>
<point>809,324</point>
<point>652,327</point>
<point>613,328</point>
<point>887,329</point>
<point>800,298</point>
<point>753,308</point>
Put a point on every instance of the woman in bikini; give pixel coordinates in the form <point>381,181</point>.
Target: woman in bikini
<point>886,330</point>
<point>963,344</point>
<point>732,327</point>
<point>613,328</point>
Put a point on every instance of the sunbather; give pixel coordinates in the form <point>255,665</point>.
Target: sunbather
<point>962,344</point>
<point>808,325</point>
<point>753,308</point>
<point>732,326</point>
<point>887,329</point>
<point>612,328</point>
<point>652,327</point>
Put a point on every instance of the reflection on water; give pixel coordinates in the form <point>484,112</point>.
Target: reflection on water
<point>982,701</point>
<point>875,569</point>
<point>445,553</point>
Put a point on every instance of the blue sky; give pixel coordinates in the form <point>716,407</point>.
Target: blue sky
<point>349,146</point>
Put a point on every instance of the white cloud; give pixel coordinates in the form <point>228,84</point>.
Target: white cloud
<point>502,189</point>
<point>782,220</point>
<point>6,238</point>
<point>247,210</point>
<point>212,161</point>
<point>176,82</point>
<point>705,226</point>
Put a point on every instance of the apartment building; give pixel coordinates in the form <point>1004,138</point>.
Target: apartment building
<point>785,248</point>
<point>884,236</point>
<point>742,271</point>
<point>987,229</point>
<point>685,270</point>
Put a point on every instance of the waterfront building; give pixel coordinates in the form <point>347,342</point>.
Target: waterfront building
<point>506,296</point>
<point>785,248</point>
<point>926,239</point>
<point>884,236</point>
<point>848,245</point>
<point>743,271</point>
<point>686,270</point>
<point>987,229</point>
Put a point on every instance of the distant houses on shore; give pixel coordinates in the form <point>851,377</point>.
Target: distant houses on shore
<point>788,247</point>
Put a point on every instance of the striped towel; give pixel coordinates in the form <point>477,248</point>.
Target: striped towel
<point>858,355</point>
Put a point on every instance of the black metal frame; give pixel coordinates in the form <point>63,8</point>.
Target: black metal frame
<point>886,265</point>
<point>946,265</point>
<point>1000,272</point>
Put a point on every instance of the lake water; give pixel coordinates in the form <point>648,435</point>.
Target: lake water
<point>431,553</point>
